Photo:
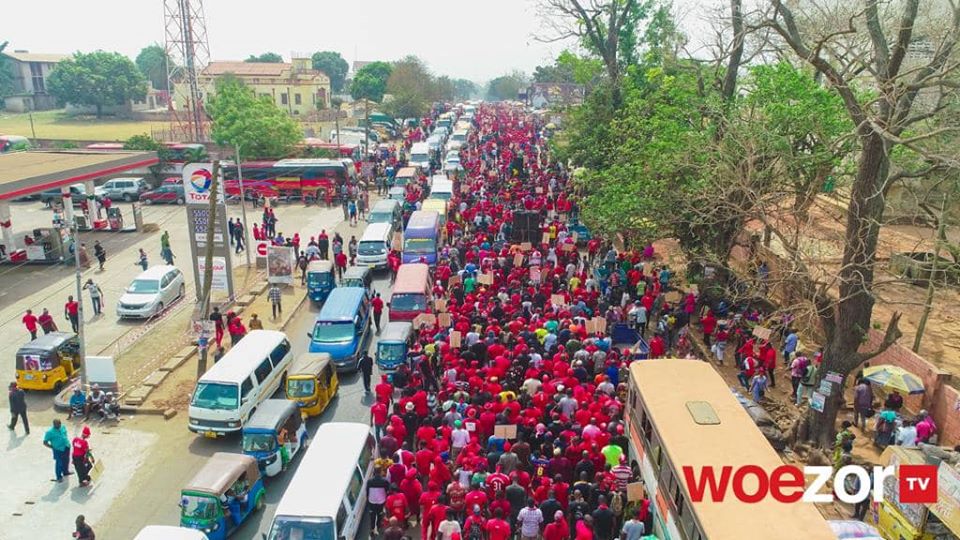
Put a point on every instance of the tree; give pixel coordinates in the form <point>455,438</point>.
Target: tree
<point>334,66</point>
<point>152,62</point>
<point>370,81</point>
<point>6,75</point>
<point>97,79</point>
<point>267,57</point>
<point>254,123</point>
<point>555,73</point>
<point>464,89</point>
<point>412,87</point>
<point>886,122</point>
<point>507,86</point>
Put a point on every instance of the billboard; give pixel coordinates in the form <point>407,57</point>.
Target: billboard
<point>280,264</point>
<point>197,187</point>
<point>197,182</point>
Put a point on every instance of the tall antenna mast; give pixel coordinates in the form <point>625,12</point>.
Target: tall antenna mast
<point>188,53</point>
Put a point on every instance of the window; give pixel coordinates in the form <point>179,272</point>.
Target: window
<point>341,518</point>
<point>278,354</point>
<point>263,370</point>
<point>296,99</point>
<point>356,484</point>
<point>366,454</point>
<point>283,98</point>
<point>36,76</point>
<point>246,387</point>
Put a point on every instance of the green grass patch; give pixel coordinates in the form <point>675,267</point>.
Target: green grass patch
<point>58,125</point>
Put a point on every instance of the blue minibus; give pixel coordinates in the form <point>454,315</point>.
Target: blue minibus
<point>343,327</point>
<point>421,237</point>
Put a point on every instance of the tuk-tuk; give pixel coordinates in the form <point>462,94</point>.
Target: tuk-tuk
<point>358,276</point>
<point>312,383</point>
<point>222,495</point>
<point>406,175</point>
<point>274,434</point>
<point>319,280</point>
<point>48,362</point>
<point>397,193</point>
<point>393,345</point>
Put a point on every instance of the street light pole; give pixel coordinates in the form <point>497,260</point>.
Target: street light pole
<point>243,203</point>
<point>75,234</point>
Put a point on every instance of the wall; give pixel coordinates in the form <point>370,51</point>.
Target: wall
<point>941,400</point>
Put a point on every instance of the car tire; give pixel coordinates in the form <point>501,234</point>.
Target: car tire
<point>148,202</point>
<point>127,197</point>
<point>183,291</point>
<point>180,201</point>
<point>159,309</point>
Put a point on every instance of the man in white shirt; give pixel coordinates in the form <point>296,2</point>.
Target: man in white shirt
<point>907,434</point>
<point>530,519</point>
<point>459,438</point>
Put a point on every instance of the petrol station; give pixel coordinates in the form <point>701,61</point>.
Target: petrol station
<point>24,175</point>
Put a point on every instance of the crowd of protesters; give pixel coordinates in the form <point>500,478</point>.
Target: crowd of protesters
<point>517,356</point>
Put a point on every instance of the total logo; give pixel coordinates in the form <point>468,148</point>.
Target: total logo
<point>201,180</point>
<point>198,181</point>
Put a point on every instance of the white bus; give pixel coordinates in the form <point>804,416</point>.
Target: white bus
<point>374,245</point>
<point>420,156</point>
<point>326,497</point>
<point>442,188</point>
<point>228,393</point>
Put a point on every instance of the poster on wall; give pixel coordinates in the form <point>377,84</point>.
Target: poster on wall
<point>280,264</point>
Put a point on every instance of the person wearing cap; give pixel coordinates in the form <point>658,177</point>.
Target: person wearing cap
<point>80,454</point>
<point>557,529</point>
<point>459,438</point>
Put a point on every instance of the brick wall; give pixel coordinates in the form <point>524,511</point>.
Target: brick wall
<point>940,399</point>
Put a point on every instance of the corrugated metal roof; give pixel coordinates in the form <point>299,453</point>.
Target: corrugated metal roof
<point>51,58</point>
<point>264,69</point>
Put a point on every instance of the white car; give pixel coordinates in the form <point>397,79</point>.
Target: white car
<point>151,292</point>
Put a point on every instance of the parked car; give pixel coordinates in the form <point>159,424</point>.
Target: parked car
<point>126,189</point>
<point>151,291</point>
<point>165,194</point>
<point>77,191</point>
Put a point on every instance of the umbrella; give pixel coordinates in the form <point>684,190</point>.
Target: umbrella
<point>894,378</point>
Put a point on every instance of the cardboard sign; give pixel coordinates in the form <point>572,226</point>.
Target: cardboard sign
<point>455,339</point>
<point>485,278</point>
<point>817,401</point>
<point>397,243</point>
<point>568,247</point>
<point>518,259</point>
<point>833,376</point>
<point>826,387</point>
<point>440,305</point>
<point>558,300</point>
<point>444,320</point>
<point>635,491</point>
<point>538,190</point>
<point>535,274</point>
<point>545,239</point>
<point>97,471</point>
<point>590,327</point>
<point>762,333</point>
<point>673,297</point>
<point>471,426</point>
<point>600,324</point>
<point>505,431</point>
<point>454,280</point>
<point>424,319</point>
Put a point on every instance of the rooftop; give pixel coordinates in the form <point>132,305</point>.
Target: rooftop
<point>258,69</point>
<point>27,56</point>
<point>22,173</point>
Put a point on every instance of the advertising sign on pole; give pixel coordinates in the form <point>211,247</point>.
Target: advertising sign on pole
<point>197,184</point>
<point>280,263</point>
<point>197,180</point>
<point>219,282</point>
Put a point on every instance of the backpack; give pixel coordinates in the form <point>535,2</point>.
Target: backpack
<point>616,503</point>
<point>475,532</point>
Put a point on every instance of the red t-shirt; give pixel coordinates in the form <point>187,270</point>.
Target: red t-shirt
<point>377,304</point>
<point>30,320</point>
<point>497,529</point>
<point>80,447</point>
<point>379,411</point>
<point>72,308</point>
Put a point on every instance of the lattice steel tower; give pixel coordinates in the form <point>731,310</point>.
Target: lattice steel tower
<point>188,53</point>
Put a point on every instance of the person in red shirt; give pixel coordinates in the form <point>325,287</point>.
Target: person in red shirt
<point>431,524</point>
<point>496,527</point>
<point>426,501</point>
<point>708,323</point>
<point>477,497</point>
<point>657,347</point>
<point>30,321</point>
<point>384,390</point>
<point>768,360</point>
<point>378,417</point>
<point>340,259</point>
<point>411,489</point>
<point>557,529</point>
<point>81,457</point>
<point>377,304</point>
<point>71,311</point>
<point>396,506</point>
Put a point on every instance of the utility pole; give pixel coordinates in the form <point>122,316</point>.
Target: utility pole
<point>243,204</point>
<point>931,283</point>
<point>75,233</point>
<point>204,307</point>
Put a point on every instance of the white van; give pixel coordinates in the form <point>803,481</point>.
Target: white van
<point>230,391</point>
<point>374,245</point>
<point>328,493</point>
<point>442,188</point>
<point>420,156</point>
<point>386,211</point>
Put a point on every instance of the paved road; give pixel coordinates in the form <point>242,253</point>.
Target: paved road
<point>153,496</point>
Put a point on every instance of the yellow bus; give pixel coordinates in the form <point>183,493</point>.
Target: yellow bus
<point>681,413</point>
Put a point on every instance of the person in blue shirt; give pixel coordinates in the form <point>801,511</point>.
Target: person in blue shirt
<point>790,345</point>
<point>57,440</point>
<point>78,403</point>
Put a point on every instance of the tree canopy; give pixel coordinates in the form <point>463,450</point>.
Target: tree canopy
<point>152,62</point>
<point>267,57</point>
<point>254,123</point>
<point>6,75</point>
<point>335,67</point>
<point>97,79</point>
<point>370,81</point>
<point>506,86</point>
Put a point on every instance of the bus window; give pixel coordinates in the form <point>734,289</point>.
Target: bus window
<point>356,484</point>
<point>341,518</point>
<point>263,371</point>
<point>276,355</point>
<point>245,388</point>
<point>365,455</point>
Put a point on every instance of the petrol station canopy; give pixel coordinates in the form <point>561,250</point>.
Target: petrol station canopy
<point>24,173</point>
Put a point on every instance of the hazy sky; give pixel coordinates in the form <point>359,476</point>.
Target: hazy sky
<point>477,39</point>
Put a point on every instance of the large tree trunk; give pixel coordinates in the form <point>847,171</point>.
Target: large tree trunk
<point>855,305</point>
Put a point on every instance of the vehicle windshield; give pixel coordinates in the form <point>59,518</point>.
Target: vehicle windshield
<point>390,352</point>
<point>372,248</point>
<point>301,388</point>
<point>420,245</point>
<point>259,442</point>
<point>408,302</point>
<point>319,278</point>
<point>144,286</point>
<point>284,528</point>
<point>331,332</point>
<point>198,507</point>
<point>216,396</point>
<point>419,158</point>
<point>380,217</point>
